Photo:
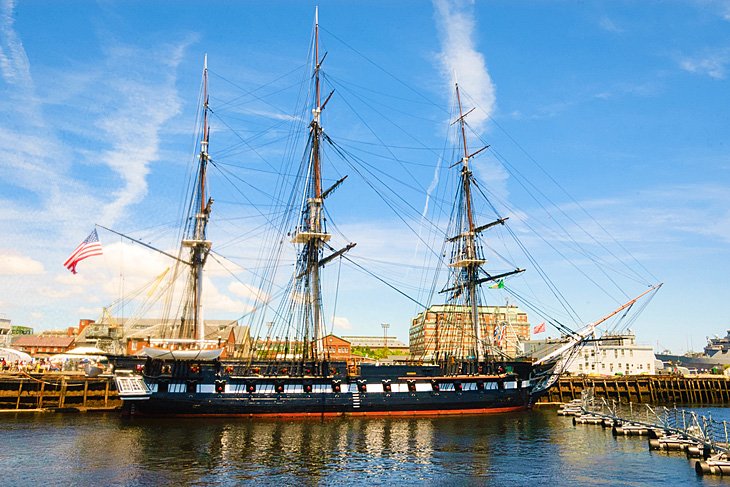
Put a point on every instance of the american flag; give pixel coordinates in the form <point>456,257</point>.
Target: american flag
<point>88,248</point>
<point>499,334</point>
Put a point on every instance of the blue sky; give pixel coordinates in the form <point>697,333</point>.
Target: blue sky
<point>623,103</point>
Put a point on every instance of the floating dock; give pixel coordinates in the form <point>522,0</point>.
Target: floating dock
<point>669,430</point>
<point>57,393</point>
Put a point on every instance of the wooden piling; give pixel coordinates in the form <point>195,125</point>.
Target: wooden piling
<point>40,394</point>
<point>38,391</point>
<point>20,391</point>
<point>659,390</point>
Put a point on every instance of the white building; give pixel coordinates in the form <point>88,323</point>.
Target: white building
<point>608,355</point>
<point>614,355</point>
<point>6,331</point>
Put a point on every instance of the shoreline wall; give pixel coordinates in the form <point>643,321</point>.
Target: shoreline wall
<point>646,389</point>
<point>49,391</point>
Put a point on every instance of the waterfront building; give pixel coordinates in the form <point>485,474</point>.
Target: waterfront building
<point>107,336</point>
<point>43,344</point>
<point>338,348</point>
<point>140,333</point>
<point>6,331</point>
<point>608,355</point>
<point>376,343</point>
<point>21,330</point>
<point>448,328</point>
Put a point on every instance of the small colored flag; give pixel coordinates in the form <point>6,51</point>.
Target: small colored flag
<point>499,334</point>
<point>539,328</point>
<point>88,248</point>
<point>498,285</point>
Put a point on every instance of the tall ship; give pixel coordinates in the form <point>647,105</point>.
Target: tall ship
<point>291,370</point>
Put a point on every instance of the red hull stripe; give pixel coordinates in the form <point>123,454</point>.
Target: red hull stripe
<point>430,412</point>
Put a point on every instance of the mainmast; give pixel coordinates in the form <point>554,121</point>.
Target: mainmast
<point>199,246</point>
<point>311,232</point>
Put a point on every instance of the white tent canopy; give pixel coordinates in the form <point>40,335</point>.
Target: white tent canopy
<point>86,351</point>
<point>12,355</point>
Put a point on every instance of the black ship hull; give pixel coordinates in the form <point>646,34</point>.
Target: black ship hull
<point>386,390</point>
<point>286,405</point>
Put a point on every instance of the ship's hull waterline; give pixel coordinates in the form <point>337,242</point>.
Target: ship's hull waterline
<point>369,395</point>
<point>323,404</point>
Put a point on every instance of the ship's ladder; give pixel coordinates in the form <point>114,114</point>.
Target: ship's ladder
<point>356,400</point>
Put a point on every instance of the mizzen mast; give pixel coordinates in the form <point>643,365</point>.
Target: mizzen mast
<point>468,258</point>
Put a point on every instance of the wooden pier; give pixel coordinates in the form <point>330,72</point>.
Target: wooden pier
<point>56,392</point>
<point>645,389</point>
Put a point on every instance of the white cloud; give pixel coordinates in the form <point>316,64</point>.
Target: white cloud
<point>14,63</point>
<point>342,323</point>
<point>713,64</point>
<point>19,265</point>
<point>132,127</point>
<point>60,292</point>
<point>92,313</point>
<point>609,25</point>
<point>722,7</point>
<point>460,60</point>
<point>247,291</point>
<point>216,301</point>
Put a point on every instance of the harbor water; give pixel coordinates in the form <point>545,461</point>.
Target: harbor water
<point>530,448</point>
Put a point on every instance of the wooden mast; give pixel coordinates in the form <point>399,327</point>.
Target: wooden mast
<point>469,260</point>
<point>316,203</point>
<point>311,232</point>
<point>198,244</point>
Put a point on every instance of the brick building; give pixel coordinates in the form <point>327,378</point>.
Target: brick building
<point>43,344</point>
<point>338,348</point>
<point>448,329</point>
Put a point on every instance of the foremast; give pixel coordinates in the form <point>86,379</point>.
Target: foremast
<point>311,233</point>
<point>202,204</point>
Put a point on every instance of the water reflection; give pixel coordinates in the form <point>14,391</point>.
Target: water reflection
<point>511,449</point>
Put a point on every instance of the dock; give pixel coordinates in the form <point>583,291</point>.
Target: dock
<point>667,429</point>
<point>644,389</point>
<point>54,392</point>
